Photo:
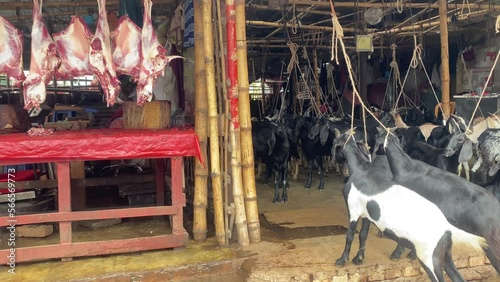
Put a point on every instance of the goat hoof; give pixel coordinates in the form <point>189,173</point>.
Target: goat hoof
<point>412,255</point>
<point>395,256</point>
<point>380,234</point>
<point>357,260</point>
<point>340,262</point>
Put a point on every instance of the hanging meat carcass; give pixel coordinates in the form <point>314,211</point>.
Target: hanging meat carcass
<point>100,58</point>
<point>126,39</point>
<point>153,60</point>
<point>11,52</point>
<point>44,61</point>
<point>73,47</point>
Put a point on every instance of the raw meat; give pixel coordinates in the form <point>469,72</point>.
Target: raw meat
<point>44,61</point>
<point>126,41</point>
<point>154,59</point>
<point>11,52</point>
<point>100,58</point>
<point>73,47</point>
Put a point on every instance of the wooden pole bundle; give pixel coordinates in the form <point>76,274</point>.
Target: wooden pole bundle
<point>252,210</point>
<point>201,129</point>
<point>445,58</point>
<point>213,120</point>
<point>234,129</point>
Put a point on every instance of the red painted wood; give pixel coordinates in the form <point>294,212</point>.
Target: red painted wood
<point>90,215</point>
<point>160,182</point>
<point>95,248</point>
<point>64,200</point>
<point>178,197</point>
<point>98,144</point>
<point>232,63</point>
<point>65,146</point>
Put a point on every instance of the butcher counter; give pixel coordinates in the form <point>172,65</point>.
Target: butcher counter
<point>63,147</point>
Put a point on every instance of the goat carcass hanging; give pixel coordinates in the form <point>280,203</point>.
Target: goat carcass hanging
<point>44,61</point>
<point>154,59</point>
<point>73,47</point>
<point>126,39</point>
<point>100,58</point>
<point>11,52</point>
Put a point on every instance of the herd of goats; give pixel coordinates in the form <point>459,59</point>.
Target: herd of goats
<point>402,173</point>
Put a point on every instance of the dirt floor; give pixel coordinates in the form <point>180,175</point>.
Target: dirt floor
<point>300,242</point>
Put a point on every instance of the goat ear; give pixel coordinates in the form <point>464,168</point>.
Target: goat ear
<point>466,152</point>
<point>495,167</point>
<point>336,132</point>
<point>323,134</point>
<point>271,142</point>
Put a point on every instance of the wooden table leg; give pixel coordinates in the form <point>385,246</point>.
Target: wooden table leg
<point>64,202</point>
<point>160,182</point>
<point>178,197</point>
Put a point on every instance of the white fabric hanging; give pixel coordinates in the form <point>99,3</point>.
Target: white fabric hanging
<point>435,77</point>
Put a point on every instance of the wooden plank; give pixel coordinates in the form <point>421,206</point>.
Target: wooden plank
<point>91,215</point>
<point>19,196</point>
<point>95,248</point>
<point>88,182</point>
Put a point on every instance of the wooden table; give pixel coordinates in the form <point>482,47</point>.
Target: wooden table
<point>63,147</point>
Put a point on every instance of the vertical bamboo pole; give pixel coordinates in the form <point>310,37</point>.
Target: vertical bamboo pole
<point>234,129</point>
<point>445,58</point>
<point>213,120</point>
<point>225,124</point>
<point>246,126</point>
<point>201,128</point>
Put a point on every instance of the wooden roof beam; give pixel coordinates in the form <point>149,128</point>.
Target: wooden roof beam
<point>392,5</point>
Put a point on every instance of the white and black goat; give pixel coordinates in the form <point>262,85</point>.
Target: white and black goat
<point>464,141</point>
<point>465,205</point>
<point>488,151</point>
<point>369,194</point>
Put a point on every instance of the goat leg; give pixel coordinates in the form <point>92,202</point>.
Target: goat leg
<point>276,187</point>
<point>467,170</point>
<point>478,163</point>
<point>348,243</point>
<point>363,235</point>
<point>309,173</point>
<point>284,196</point>
<point>321,174</point>
<point>269,172</point>
<point>412,255</point>
<point>396,254</point>
<point>295,169</point>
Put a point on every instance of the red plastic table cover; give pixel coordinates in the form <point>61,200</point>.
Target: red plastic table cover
<point>98,144</point>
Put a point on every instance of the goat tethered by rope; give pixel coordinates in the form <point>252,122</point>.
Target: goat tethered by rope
<point>338,34</point>
<point>482,92</point>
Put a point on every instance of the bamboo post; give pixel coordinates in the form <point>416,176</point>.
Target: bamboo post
<point>225,123</point>
<point>213,121</point>
<point>201,129</point>
<point>234,129</point>
<point>246,127</point>
<point>445,58</point>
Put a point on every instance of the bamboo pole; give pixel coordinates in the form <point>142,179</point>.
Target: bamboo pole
<point>225,124</point>
<point>300,10</point>
<point>248,164</point>
<point>213,119</point>
<point>234,129</point>
<point>386,5</point>
<point>445,58</point>
<point>304,26</point>
<point>201,129</point>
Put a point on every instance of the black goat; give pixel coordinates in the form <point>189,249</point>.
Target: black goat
<point>370,194</point>
<point>478,211</point>
<point>435,156</point>
<point>271,146</point>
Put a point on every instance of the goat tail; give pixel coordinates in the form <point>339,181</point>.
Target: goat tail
<point>459,236</point>
<point>492,250</point>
